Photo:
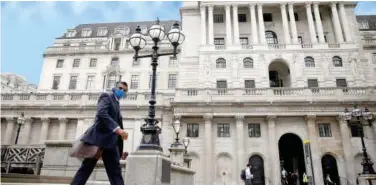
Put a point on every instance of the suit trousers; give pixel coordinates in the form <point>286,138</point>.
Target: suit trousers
<point>111,160</point>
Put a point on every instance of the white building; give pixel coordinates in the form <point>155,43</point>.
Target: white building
<point>11,83</point>
<point>253,83</point>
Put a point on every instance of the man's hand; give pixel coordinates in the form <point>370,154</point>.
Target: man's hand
<point>122,133</point>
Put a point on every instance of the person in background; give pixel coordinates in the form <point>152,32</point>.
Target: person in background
<point>107,133</point>
<point>248,175</point>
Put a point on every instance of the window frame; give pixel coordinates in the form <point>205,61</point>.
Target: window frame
<point>248,60</point>
<point>256,130</point>
<point>93,61</point>
<point>221,63</point>
<point>170,85</point>
<point>309,62</point>
<point>57,82</point>
<point>191,132</point>
<point>135,81</point>
<point>241,16</point>
<point>339,59</point>
<point>76,63</point>
<point>73,80</point>
<point>225,131</point>
<point>324,130</point>
<point>218,18</point>
<point>59,61</point>
<point>87,81</point>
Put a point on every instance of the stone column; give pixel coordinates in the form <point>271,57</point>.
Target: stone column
<point>209,171</point>
<point>228,25</point>
<point>236,24</point>
<point>8,139</point>
<point>337,24</point>
<point>240,143</point>
<point>203,25</point>
<point>261,24</point>
<point>273,154</point>
<point>62,128</point>
<point>25,131</point>
<point>211,26</point>
<point>44,130</point>
<point>320,30</point>
<point>315,154</point>
<point>293,24</point>
<point>286,32</point>
<point>252,14</point>
<point>347,150</point>
<point>345,22</point>
<point>311,26</point>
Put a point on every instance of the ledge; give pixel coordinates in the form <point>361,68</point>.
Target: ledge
<point>24,178</point>
<point>182,169</point>
<point>59,143</point>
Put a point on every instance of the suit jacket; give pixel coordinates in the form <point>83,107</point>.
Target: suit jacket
<point>108,117</point>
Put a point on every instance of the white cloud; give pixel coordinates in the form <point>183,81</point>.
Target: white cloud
<point>79,6</point>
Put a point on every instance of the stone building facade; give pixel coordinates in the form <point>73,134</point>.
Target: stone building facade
<point>250,78</point>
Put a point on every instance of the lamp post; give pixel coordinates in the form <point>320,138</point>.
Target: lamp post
<point>150,130</point>
<point>20,121</point>
<point>358,116</point>
<point>186,143</point>
<point>187,158</point>
<point>176,126</point>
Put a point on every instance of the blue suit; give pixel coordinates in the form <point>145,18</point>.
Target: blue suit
<point>102,134</point>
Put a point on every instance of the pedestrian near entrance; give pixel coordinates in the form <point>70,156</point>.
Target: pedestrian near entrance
<point>248,175</point>
<point>107,134</point>
<point>305,179</point>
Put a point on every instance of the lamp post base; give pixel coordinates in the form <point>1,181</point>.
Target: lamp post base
<point>150,138</point>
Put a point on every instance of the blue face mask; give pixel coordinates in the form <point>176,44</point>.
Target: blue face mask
<point>119,93</point>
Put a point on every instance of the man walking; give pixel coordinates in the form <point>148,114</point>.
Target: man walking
<point>107,133</point>
<point>248,175</point>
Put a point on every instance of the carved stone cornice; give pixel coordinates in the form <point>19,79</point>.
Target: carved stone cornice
<point>310,118</point>
<point>208,117</point>
<point>45,120</point>
<point>10,119</point>
<point>271,118</point>
<point>62,120</point>
<point>239,118</point>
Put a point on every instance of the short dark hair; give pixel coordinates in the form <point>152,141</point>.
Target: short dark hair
<point>122,82</point>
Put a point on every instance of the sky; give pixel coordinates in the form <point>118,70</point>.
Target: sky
<point>28,28</point>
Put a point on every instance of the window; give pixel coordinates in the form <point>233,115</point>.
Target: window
<point>268,17</point>
<point>156,80</point>
<point>89,82</point>
<point>218,18</point>
<point>71,33</point>
<point>242,17</point>
<point>309,62</point>
<point>341,82</point>
<point>134,81</point>
<point>249,84</point>
<point>172,81</point>
<point>93,62</point>
<point>173,62</point>
<point>243,40</point>
<point>102,32</point>
<point>192,130</point>
<point>221,84</point>
<point>248,63</point>
<point>111,81</point>
<point>136,62</point>
<point>300,39</point>
<point>120,29</point>
<point>356,130</point>
<point>363,25</point>
<point>221,63</point>
<point>73,82</point>
<point>76,63</point>
<point>117,42</point>
<point>115,61</point>
<point>223,130</point>
<point>337,61</point>
<point>219,41</point>
<point>296,17</point>
<point>56,82</point>
<point>324,130</point>
<point>254,130</point>
<point>60,63</point>
<point>374,57</point>
<point>271,37</point>
<point>86,33</point>
<point>312,83</point>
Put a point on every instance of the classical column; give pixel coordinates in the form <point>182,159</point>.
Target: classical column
<point>228,25</point>
<point>345,22</point>
<point>254,34</point>
<point>44,130</point>
<point>320,31</point>
<point>311,26</point>
<point>347,150</point>
<point>316,160</point>
<point>337,24</point>
<point>8,139</point>
<point>25,131</point>
<point>211,31</point>
<point>240,142</point>
<point>294,32</point>
<point>261,23</point>
<point>203,25</point>
<point>62,128</point>
<point>286,32</point>
<point>209,171</point>
<point>273,154</point>
<point>236,24</point>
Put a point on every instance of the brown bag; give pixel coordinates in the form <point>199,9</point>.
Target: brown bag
<point>84,150</point>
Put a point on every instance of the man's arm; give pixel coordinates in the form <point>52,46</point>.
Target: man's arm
<point>102,112</point>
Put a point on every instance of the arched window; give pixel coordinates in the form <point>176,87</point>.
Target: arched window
<point>248,63</point>
<point>337,61</point>
<point>115,61</point>
<point>271,37</point>
<point>221,63</point>
<point>309,62</point>
<point>111,82</point>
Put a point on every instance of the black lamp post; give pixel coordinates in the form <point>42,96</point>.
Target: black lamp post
<point>20,121</point>
<point>359,115</point>
<point>150,130</point>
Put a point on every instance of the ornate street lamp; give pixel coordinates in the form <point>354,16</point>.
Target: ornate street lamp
<point>150,130</point>
<point>186,143</point>
<point>20,121</point>
<point>355,117</point>
<point>176,125</point>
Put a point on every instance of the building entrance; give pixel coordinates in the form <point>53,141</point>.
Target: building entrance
<point>329,169</point>
<point>257,166</point>
<point>291,159</point>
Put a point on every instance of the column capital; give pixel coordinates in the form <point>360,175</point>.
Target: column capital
<point>341,119</point>
<point>203,7</point>
<point>290,4</point>
<point>10,119</point>
<point>228,6</point>
<point>62,120</point>
<point>45,119</point>
<point>208,117</point>
<point>271,118</point>
<point>341,5</point>
<point>310,118</point>
<point>28,120</point>
<point>259,5</point>
<point>252,5</point>
<point>210,7</point>
<point>175,117</point>
<point>333,4</point>
<point>239,117</point>
<point>316,3</point>
<point>283,4</point>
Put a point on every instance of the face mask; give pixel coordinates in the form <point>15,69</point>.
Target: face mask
<point>119,93</point>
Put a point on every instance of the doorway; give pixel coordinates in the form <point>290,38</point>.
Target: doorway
<point>329,166</point>
<point>292,158</point>
<point>257,166</point>
<point>279,74</point>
